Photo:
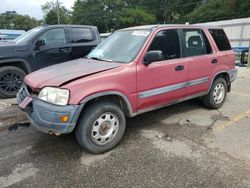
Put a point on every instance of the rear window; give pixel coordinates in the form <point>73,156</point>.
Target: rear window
<point>78,35</point>
<point>220,39</point>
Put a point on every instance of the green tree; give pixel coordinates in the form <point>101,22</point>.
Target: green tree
<point>12,20</point>
<point>244,8</point>
<point>168,11</point>
<point>208,12</point>
<point>136,16</point>
<point>50,13</point>
<point>109,15</point>
<point>90,13</point>
<point>215,10</point>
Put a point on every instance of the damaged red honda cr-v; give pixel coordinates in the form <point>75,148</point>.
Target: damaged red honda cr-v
<point>135,70</point>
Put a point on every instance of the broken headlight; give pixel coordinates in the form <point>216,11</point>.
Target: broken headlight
<point>54,95</point>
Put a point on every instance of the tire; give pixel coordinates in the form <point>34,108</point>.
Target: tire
<point>100,127</point>
<point>217,94</point>
<point>11,79</point>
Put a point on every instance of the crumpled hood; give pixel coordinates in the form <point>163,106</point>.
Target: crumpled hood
<point>58,75</point>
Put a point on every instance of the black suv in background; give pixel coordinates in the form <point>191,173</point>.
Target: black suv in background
<point>41,47</point>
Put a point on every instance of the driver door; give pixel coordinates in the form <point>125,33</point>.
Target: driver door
<point>162,82</point>
<point>54,49</point>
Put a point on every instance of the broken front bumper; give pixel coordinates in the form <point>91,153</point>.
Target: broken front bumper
<point>46,116</point>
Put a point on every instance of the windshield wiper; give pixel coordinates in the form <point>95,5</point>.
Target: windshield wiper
<point>99,59</point>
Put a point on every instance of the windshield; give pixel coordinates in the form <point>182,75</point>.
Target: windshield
<point>24,38</point>
<point>122,46</point>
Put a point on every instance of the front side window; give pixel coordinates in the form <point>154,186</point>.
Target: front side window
<point>53,36</point>
<point>168,42</point>
<point>26,37</point>
<point>122,46</point>
<point>220,39</point>
<point>195,43</point>
<point>78,35</point>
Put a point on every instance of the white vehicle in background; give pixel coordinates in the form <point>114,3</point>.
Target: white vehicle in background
<point>104,36</point>
<point>9,34</point>
<point>2,37</point>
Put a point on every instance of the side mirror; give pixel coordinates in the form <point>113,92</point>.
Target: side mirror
<point>39,43</point>
<point>152,56</point>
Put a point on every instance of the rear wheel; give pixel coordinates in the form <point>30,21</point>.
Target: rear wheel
<point>101,127</point>
<point>217,94</point>
<point>11,79</point>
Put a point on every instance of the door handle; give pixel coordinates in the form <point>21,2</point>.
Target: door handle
<point>179,68</point>
<point>214,61</point>
<point>65,50</point>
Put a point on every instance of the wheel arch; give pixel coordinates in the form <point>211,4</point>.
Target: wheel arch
<point>114,96</point>
<point>222,74</point>
<point>20,63</point>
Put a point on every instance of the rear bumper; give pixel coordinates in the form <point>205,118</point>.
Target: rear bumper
<point>233,74</point>
<point>46,117</point>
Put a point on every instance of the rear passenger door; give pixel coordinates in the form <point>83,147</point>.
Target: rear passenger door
<point>82,41</point>
<point>200,60</point>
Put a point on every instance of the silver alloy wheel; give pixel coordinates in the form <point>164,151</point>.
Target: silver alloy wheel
<point>105,128</point>
<point>219,93</point>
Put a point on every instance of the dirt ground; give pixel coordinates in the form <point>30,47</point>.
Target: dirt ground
<point>184,145</point>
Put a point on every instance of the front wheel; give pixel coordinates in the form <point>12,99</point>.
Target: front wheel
<point>11,79</point>
<point>100,127</point>
<point>217,94</point>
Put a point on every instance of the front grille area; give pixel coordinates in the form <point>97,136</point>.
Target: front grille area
<point>28,89</point>
<point>31,92</point>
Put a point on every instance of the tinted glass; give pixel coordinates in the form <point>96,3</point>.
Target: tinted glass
<point>78,35</point>
<point>54,36</point>
<point>220,39</point>
<point>168,42</point>
<point>196,43</point>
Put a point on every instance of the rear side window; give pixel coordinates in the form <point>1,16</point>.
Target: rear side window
<point>220,39</point>
<point>168,42</point>
<point>195,43</point>
<point>78,35</point>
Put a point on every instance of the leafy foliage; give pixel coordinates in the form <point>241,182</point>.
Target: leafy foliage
<point>109,15</point>
<point>113,14</point>
<point>91,13</point>
<point>215,10</point>
<point>136,16</point>
<point>12,20</point>
<point>50,11</point>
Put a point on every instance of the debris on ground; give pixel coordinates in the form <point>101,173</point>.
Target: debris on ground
<point>15,126</point>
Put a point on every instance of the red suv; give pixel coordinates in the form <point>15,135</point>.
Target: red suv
<point>133,71</point>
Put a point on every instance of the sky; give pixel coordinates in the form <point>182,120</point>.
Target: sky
<point>29,7</point>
